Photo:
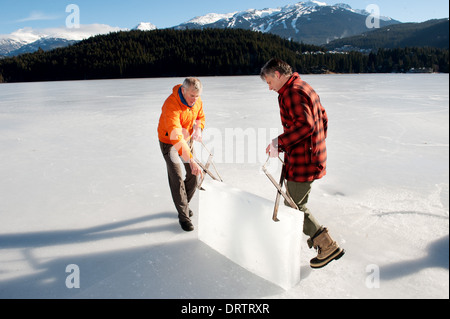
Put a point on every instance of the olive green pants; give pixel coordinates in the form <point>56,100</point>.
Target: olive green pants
<point>299,192</point>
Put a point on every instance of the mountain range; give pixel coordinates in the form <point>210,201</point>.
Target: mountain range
<point>432,33</point>
<point>309,22</point>
<point>28,40</point>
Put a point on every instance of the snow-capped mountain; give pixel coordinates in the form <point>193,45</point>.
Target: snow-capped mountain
<point>310,22</point>
<point>8,45</point>
<point>28,40</point>
<point>45,44</point>
<point>18,39</point>
<point>145,26</point>
<point>232,19</point>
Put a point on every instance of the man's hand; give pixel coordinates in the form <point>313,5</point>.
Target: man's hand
<point>195,168</point>
<point>197,135</point>
<point>272,151</point>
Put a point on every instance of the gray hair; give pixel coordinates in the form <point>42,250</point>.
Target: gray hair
<point>276,65</point>
<point>193,83</point>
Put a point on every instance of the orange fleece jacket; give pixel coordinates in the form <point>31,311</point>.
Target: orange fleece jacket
<point>177,121</point>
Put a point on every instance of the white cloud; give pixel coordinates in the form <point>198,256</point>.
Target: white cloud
<point>39,16</point>
<point>29,35</point>
<point>83,32</point>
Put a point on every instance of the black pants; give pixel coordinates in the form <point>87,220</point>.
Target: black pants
<point>182,189</point>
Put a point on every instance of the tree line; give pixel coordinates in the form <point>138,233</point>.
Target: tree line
<point>432,33</point>
<point>210,52</point>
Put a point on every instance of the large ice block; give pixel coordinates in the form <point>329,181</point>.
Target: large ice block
<point>239,225</point>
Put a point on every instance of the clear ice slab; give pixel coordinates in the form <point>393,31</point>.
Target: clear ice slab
<point>239,225</point>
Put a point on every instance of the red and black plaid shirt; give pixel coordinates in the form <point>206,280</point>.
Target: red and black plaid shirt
<point>305,124</point>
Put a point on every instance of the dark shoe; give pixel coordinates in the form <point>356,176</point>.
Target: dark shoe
<point>187,226</point>
<point>191,213</point>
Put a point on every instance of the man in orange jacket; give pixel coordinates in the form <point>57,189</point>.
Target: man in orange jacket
<point>181,123</point>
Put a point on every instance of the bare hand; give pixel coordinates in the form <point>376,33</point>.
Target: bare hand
<point>195,168</point>
<point>197,135</point>
<point>272,151</point>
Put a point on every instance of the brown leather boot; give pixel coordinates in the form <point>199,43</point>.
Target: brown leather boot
<point>328,249</point>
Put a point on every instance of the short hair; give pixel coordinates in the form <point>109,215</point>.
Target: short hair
<point>275,65</point>
<point>193,83</point>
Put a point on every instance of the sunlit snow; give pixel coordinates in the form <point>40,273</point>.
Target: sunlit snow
<point>84,183</point>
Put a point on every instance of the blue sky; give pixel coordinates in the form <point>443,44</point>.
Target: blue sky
<point>17,14</point>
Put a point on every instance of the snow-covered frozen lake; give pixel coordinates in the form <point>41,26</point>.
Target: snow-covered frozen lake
<point>83,184</point>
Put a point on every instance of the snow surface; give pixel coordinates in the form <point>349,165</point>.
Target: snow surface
<point>84,183</point>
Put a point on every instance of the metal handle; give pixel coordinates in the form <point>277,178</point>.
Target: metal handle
<point>279,187</point>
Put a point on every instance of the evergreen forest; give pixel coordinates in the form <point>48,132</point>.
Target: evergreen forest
<point>209,52</point>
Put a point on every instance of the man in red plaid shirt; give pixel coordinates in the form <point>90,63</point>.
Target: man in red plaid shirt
<point>305,125</point>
